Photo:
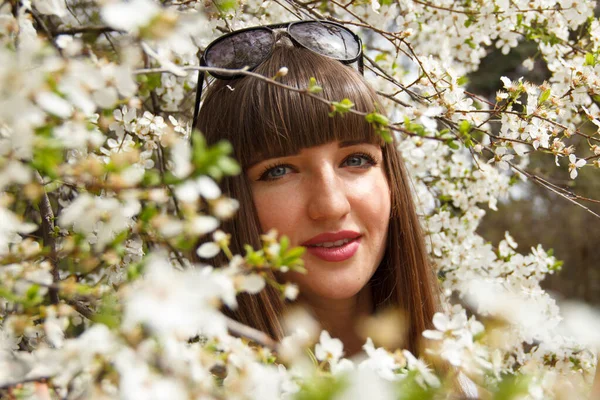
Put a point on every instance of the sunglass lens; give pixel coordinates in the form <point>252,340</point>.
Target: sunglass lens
<point>327,39</point>
<point>248,48</point>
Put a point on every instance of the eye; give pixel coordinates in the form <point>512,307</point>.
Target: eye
<point>272,172</point>
<point>359,160</point>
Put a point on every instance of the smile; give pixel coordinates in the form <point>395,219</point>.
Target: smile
<point>340,250</point>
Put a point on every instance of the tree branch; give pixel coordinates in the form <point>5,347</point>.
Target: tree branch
<point>270,81</point>
<point>48,235</point>
<point>84,29</point>
<point>81,308</point>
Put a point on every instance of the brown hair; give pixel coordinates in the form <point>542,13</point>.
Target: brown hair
<point>263,121</point>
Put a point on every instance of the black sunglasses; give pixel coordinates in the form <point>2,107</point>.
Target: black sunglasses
<point>247,48</point>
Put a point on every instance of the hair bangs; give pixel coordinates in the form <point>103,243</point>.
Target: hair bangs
<point>272,121</point>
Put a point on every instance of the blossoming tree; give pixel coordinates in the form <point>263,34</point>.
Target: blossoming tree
<point>102,198</point>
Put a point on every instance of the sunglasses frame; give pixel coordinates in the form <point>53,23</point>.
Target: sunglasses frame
<point>271,28</point>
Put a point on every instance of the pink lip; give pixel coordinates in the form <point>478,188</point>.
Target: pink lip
<point>331,237</point>
<point>334,254</point>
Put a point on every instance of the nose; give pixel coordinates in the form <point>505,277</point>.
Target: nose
<point>327,198</point>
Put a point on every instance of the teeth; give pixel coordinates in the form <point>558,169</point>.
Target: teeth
<point>333,244</point>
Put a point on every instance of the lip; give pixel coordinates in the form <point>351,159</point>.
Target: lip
<point>334,254</point>
<point>331,237</point>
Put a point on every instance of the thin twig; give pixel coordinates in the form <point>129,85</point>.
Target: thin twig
<point>270,81</point>
<point>84,29</point>
<point>81,308</point>
<point>48,235</point>
<point>452,10</point>
<point>240,330</point>
<point>236,328</point>
<point>553,188</point>
<point>23,381</point>
<point>38,18</point>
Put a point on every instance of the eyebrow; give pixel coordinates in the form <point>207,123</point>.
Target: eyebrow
<point>348,143</point>
<point>342,144</point>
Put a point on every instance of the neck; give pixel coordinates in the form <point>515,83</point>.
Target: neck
<point>340,317</point>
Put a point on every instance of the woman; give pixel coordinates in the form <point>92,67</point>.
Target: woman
<point>328,183</point>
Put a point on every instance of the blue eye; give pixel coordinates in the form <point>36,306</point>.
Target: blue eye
<point>274,172</point>
<point>359,160</point>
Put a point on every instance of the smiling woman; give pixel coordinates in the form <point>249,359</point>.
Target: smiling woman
<point>328,183</point>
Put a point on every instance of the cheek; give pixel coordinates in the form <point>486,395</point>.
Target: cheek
<point>276,209</point>
<point>371,200</point>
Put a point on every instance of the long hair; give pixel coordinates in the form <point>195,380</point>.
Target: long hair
<point>262,121</point>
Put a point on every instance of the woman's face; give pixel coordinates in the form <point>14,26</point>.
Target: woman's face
<point>335,200</point>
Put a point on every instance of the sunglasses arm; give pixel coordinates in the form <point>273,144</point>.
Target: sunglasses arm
<point>361,66</point>
<point>199,86</point>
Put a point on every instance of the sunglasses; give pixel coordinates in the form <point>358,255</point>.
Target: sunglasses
<point>247,48</point>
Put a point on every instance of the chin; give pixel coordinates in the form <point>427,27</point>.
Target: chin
<point>337,293</point>
<point>334,289</point>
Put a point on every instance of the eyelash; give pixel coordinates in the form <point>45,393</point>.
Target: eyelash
<point>371,161</point>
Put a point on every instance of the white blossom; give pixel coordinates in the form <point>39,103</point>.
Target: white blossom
<point>426,376</point>
<point>184,312</point>
<point>130,16</point>
<point>54,104</point>
<point>208,250</point>
<point>329,349</point>
<point>574,164</point>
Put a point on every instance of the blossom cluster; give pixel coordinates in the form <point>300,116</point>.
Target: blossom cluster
<point>111,209</point>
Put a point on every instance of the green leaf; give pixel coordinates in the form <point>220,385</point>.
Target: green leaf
<point>313,87</point>
<point>213,161</point>
<point>386,135</point>
<point>452,144</point>
<point>134,271</point>
<point>320,388</point>
<point>8,295</point>
<point>462,81</point>
<point>512,387</point>
<point>470,43</point>
<point>284,243</point>
<point>464,127</point>
<point>48,155</point>
<point>226,5</point>
<point>414,128</point>
<point>295,253</point>
<point>410,389</point>
<point>381,57</point>
<point>376,118</point>
<point>255,258</point>
<point>519,19</point>
<point>109,313</point>
<point>33,292</point>
<point>341,107</point>
<point>151,177</point>
<point>147,213</point>
<point>557,266</point>
<point>229,166</point>
<point>154,81</point>
<point>590,59</point>
<point>544,96</point>
<point>121,237</point>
